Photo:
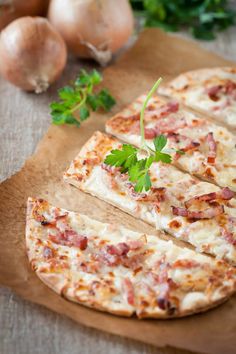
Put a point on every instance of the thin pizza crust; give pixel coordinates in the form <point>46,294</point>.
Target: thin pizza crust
<point>210,90</point>
<point>113,269</point>
<point>185,131</point>
<point>172,188</point>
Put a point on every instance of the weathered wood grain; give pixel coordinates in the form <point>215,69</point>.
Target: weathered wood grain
<point>24,327</point>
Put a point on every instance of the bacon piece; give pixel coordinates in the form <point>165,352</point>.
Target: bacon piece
<point>163,297</point>
<point>129,290</point>
<point>172,106</point>
<point>163,110</point>
<point>213,92</point>
<point>151,133</point>
<point>155,196</point>
<point>110,169</point>
<point>133,193</point>
<point>223,194</point>
<point>228,236</point>
<point>118,254</point>
<point>120,249</point>
<point>228,232</point>
<point>215,210</point>
<point>212,147</point>
<point>70,238</point>
<point>171,124</point>
<point>228,88</point>
<point>165,126</point>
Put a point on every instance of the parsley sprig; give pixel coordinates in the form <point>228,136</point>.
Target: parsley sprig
<point>76,101</point>
<point>203,18</point>
<point>137,162</point>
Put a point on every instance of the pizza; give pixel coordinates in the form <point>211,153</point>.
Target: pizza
<point>211,90</point>
<point>113,269</point>
<point>189,209</point>
<point>209,149</point>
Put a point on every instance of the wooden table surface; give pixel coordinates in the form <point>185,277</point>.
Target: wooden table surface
<point>26,328</point>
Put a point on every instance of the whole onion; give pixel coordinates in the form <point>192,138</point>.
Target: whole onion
<point>92,28</point>
<point>32,53</point>
<point>12,9</point>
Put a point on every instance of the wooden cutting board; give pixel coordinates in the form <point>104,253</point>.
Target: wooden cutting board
<point>155,54</point>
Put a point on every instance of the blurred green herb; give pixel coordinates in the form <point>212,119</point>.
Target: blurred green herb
<point>202,17</point>
<point>76,101</point>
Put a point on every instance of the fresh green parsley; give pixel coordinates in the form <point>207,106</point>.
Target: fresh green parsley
<point>130,159</point>
<point>203,18</point>
<point>76,101</point>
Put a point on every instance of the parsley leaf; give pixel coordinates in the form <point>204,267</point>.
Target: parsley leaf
<point>124,158</point>
<point>128,157</point>
<point>160,142</point>
<point>76,101</point>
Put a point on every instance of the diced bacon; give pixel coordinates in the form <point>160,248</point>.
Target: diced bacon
<point>215,210</point>
<point>228,88</point>
<point>69,238</point>
<point>193,145</point>
<point>151,133</point>
<point>164,288</point>
<point>212,148</point>
<point>172,106</point>
<point>129,291</point>
<point>110,169</point>
<point>171,124</point>
<point>133,193</point>
<point>91,161</point>
<point>165,126</point>
<point>213,92</point>
<point>48,252</point>
<point>155,195</point>
<point>120,249</point>
<point>163,110</point>
<point>228,230</point>
<point>228,236</point>
<point>223,194</point>
<point>226,194</point>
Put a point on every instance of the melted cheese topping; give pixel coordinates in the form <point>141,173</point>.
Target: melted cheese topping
<point>194,161</point>
<point>169,281</point>
<point>191,88</point>
<point>204,234</point>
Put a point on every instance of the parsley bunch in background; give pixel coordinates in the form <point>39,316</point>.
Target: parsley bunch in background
<point>202,17</point>
<point>77,100</point>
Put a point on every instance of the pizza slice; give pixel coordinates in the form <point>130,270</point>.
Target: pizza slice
<point>189,209</point>
<point>211,90</point>
<point>113,269</point>
<point>209,149</point>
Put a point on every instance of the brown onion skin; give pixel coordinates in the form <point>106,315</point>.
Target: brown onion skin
<point>93,21</point>
<point>32,52</point>
<point>19,8</point>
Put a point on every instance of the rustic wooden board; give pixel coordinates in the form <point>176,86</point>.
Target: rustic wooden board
<point>120,72</point>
